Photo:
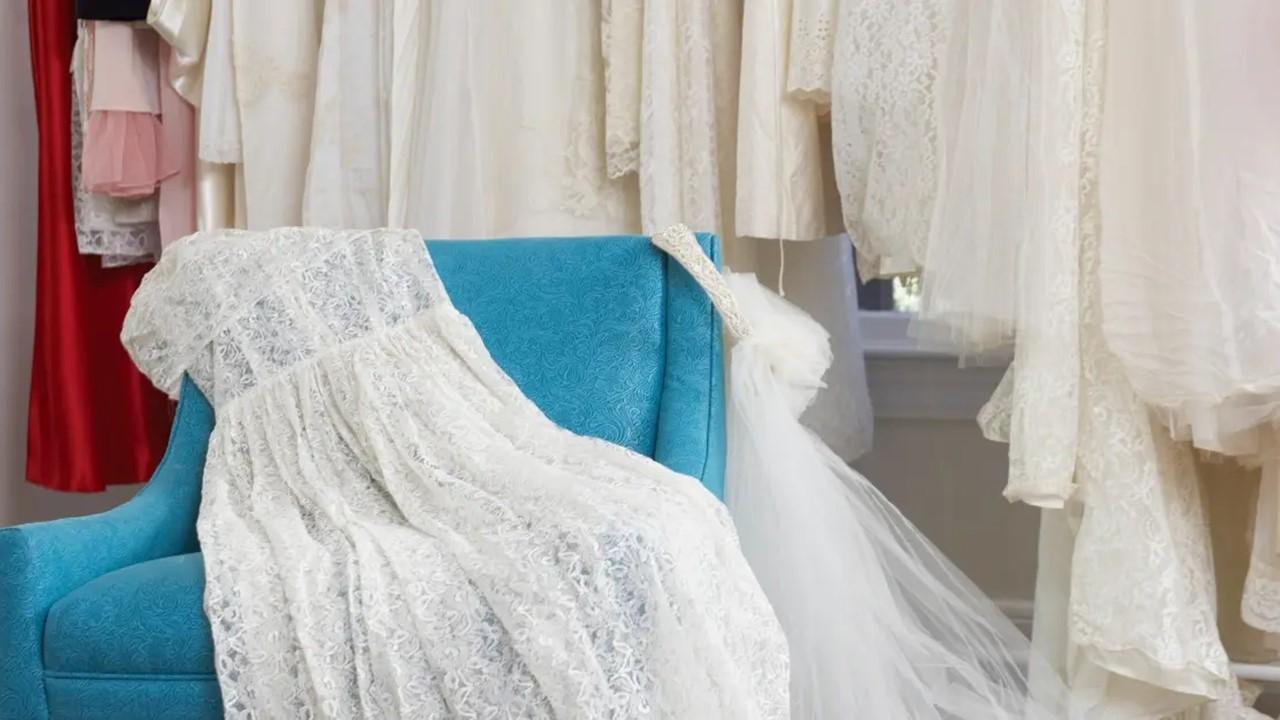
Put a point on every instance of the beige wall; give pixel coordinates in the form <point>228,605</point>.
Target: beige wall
<point>17,249</point>
<point>947,479</point>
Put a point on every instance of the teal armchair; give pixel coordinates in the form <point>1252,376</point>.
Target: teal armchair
<point>101,617</point>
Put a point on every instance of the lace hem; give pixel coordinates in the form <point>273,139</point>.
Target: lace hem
<point>812,48</point>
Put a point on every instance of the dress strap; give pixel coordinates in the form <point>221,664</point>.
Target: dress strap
<point>679,242</point>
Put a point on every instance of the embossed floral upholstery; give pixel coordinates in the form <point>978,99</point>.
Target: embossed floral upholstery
<point>101,617</point>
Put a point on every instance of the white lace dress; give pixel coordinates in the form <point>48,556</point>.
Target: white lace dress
<point>391,529</point>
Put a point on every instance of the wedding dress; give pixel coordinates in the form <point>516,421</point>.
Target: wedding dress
<point>391,529</point>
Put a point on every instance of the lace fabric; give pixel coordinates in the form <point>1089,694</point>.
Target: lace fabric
<point>384,508</point>
<point>811,51</point>
<point>688,114</point>
<point>1131,600</point>
<point>621,41</point>
<point>885,132</point>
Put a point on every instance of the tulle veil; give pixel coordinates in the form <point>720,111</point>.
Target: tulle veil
<point>879,623</point>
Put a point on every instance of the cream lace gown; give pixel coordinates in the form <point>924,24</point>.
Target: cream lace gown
<point>391,529</point>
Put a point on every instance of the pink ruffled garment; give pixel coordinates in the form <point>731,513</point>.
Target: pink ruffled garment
<point>124,153</point>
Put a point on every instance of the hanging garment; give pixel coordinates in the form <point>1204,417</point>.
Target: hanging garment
<point>186,25</point>
<point>982,210</point>
<point>1041,391</point>
<point>92,420</point>
<point>176,213</point>
<point>784,180</point>
<point>622,50</point>
<point>921,92</point>
<point>1191,167</point>
<point>670,99</point>
<point>124,153</point>
<point>121,230</point>
<point>486,144</point>
<point>119,10</point>
<point>1126,595</point>
<point>1126,598</point>
<point>689,83</point>
<point>781,191</point>
<point>885,132</point>
<point>257,84</point>
<point>363,432</point>
<point>347,172</point>
<point>1187,276</point>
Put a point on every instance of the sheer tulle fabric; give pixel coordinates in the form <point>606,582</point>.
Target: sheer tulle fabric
<point>981,214</point>
<point>124,154</point>
<point>1191,212</point>
<point>921,93</point>
<point>384,508</point>
<point>879,623</point>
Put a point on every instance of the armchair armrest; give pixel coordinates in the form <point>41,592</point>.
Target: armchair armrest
<point>41,562</point>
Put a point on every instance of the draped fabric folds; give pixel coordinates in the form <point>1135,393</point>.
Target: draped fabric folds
<point>93,419</point>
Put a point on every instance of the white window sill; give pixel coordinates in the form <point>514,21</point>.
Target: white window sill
<point>910,383</point>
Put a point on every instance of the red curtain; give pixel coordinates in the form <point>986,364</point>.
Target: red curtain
<point>93,419</point>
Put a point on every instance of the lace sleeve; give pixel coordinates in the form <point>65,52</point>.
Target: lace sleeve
<point>812,46</point>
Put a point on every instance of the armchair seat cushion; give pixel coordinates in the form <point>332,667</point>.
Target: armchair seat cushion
<point>143,620</point>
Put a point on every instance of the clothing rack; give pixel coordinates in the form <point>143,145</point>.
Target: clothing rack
<point>1268,673</point>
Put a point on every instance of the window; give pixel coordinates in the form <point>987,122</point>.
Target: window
<point>899,294</point>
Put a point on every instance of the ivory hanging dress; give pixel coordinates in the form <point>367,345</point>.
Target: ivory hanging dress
<point>1189,272</point>
<point>498,144</point>
<point>783,183</point>
<point>257,80</point>
<point>1126,598</point>
<point>383,508</point>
